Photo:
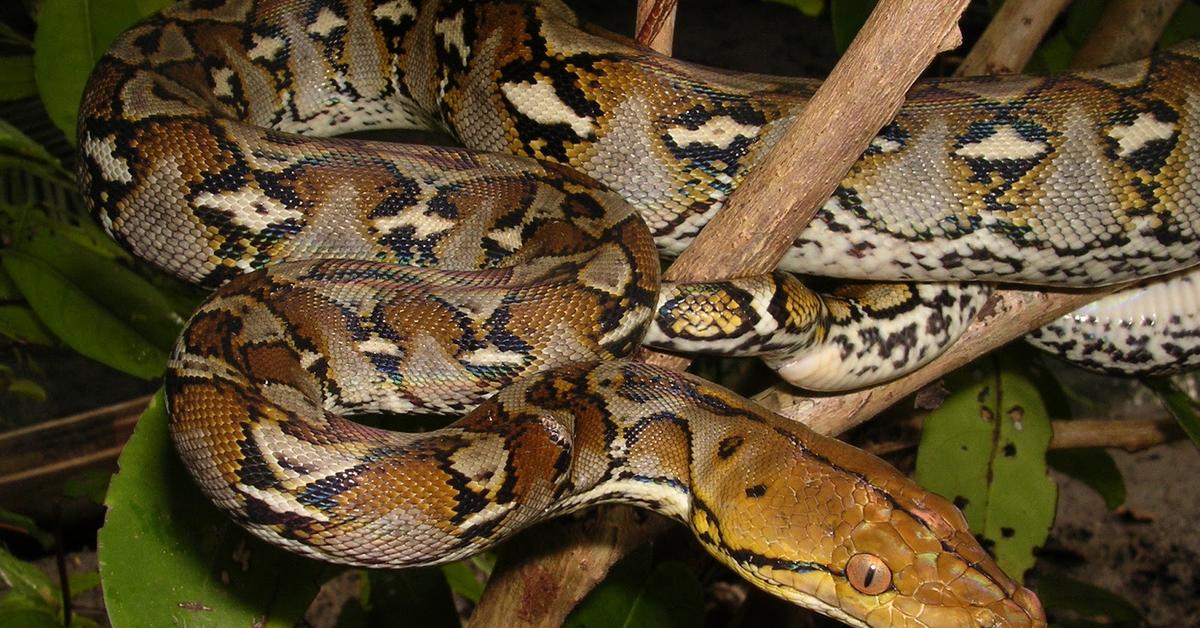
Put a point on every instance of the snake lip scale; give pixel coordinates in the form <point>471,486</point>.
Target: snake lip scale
<point>508,283</point>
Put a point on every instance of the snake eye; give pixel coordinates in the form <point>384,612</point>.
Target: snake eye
<point>868,574</point>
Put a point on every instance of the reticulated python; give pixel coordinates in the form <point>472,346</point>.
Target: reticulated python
<point>406,279</point>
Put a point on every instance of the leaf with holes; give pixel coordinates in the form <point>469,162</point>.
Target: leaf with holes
<point>985,450</point>
<point>169,558</point>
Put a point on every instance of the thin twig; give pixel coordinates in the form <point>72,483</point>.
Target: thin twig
<point>1011,38</point>
<point>655,26</point>
<point>1130,435</point>
<point>1127,30</point>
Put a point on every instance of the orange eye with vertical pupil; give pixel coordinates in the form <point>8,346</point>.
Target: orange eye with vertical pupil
<point>868,574</point>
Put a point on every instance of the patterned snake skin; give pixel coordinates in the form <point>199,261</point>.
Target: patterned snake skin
<point>360,277</point>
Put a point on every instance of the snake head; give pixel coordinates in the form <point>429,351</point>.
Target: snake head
<point>835,529</point>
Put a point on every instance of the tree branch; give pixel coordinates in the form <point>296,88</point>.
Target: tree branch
<point>1012,37</point>
<point>1127,30</point>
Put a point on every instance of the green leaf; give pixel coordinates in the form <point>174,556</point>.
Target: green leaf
<point>1061,592</point>
<point>420,596</point>
<point>12,37</point>
<point>80,321</point>
<point>18,150</point>
<point>985,449</point>
<point>26,526</point>
<point>848,16</point>
<point>27,388</point>
<point>29,618</point>
<point>70,38</point>
<point>1095,468</point>
<point>27,581</point>
<point>1185,409</point>
<point>462,580</point>
<point>124,293</point>
<point>61,223</point>
<point>83,581</point>
<point>19,323</point>
<point>811,8</point>
<point>16,77</point>
<point>90,485</point>
<point>637,595</point>
<point>169,558</point>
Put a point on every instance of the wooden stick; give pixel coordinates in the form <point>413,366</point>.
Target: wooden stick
<point>1127,30</point>
<point>655,26</point>
<point>1012,37</point>
<point>540,586</point>
<point>1128,434</point>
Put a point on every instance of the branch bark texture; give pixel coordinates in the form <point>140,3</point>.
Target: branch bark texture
<point>1012,37</point>
<point>1127,30</point>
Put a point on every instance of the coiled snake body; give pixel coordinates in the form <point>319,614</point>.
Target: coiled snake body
<point>360,277</point>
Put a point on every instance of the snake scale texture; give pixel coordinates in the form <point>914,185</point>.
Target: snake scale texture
<point>356,277</point>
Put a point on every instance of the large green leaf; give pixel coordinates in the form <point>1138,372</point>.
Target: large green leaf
<point>169,558</point>
<point>117,289</point>
<point>62,223</point>
<point>19,323</point>
<point>71,36</point>
<point>81,321</point>
<point>985,450</point>
<point>637,594</point>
